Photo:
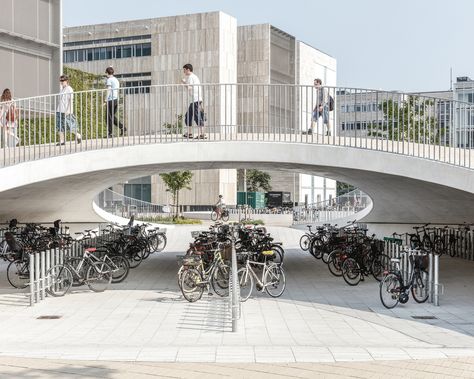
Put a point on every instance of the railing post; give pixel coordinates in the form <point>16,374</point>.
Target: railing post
<point>37,277</point>
<point>436,281</point>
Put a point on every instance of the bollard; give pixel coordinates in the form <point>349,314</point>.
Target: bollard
<point>436,281</point>
<point>430,277</point>
<point>42,275</point>
<point>234,284</point>
<point>37,277</point>
<point>32,278</point>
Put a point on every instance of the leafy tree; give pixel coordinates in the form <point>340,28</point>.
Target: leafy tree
<point>408,120</point>
<point>176,181</point>
<point>257,179</point>
<point>343,188</point>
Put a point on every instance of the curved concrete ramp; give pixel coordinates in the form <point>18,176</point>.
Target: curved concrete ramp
<point>404,189</point>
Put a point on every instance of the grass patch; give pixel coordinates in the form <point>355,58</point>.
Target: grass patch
<point>171,220</point>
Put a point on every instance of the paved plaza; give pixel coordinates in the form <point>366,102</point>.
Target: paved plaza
<point>319,319</point>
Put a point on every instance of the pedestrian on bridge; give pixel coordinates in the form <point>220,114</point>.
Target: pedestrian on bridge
<point>113,86</point>
<point>195,110</point>
<point>8,119</point>
<point>321,109</point>
<point>65,119</point>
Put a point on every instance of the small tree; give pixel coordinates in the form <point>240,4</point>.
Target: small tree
<point>258,180</point>
<point>176,181</point>
<point>407,120</point>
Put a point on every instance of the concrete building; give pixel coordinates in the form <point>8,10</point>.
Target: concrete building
<point>463,90</point>
<point>30,46</point>
<point>153,51</point>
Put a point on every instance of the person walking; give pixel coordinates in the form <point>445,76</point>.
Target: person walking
<point>8,119</point>
<point>65,119</point>
<point>113,86</point>
<point>321,108</point>
<point>195,111</point>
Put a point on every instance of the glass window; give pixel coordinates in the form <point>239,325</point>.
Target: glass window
<point>147,49</point>
<point>96,54</point>
<point>126,51</point>
<point>138,50</point>
<point>102,53</point>
<point>90,54</point>
<point>109,52</point>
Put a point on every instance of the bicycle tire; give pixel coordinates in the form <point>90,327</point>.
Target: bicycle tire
<point>214,216</point>
<point>279,254</point>
<point>225,216</point>
<point>304,242</point>
<point>18,274</point>
<point>161,242</point>
<point>191,286</point>
<point>61,280</point>
<point>275,280</point>
<point>78,281</point>
<point>99,276</point>
<point>390,291</point>
<point>420,288</point>
<point>316,248</point>
<point>120,272</point>
<point>334,264</point>
<point>245,283</point>
<point>351,272</point>
<point>379,265</point>
<point>220,280</point>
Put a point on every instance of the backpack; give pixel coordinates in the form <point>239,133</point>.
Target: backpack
<point>331,103</point>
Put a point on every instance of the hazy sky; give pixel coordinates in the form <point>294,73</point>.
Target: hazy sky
<point>406,45</point>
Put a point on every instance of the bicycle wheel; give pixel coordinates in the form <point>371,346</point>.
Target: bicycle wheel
<point>214,216</point>
<point>60,280</point>
<point>275,280</point>
<point>279,254</point>
<point>78,280</point>
<point>351,272</point>
<point>159,242</point>
<point>120,268</point>
<point>380,265</point>
<point>220,280</point>
<point>99,276</point>
<point>134,256</point>
<point>316,248</point>
<point>225,216</point>
<point>191,286</point>
<point>18,274</point>
<point>245,282</point>
<point>390,291</point>
<point>438,245</point>
<point>420,287</point>
<point>334,263</point>
<point>304,242</point>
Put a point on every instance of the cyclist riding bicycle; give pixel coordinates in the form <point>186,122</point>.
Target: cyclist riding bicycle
<point>220,206</point>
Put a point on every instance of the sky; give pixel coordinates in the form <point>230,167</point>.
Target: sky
<point>405,45</point>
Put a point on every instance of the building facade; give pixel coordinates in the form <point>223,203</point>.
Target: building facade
<point>463,90</point>
<point>30,46</point>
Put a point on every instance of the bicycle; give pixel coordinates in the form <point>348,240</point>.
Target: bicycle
<point>393,288</point>
<point>223,214</point>
<point>273,279</point>
<point>97,276</point>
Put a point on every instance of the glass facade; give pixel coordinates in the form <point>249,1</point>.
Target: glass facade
<point>107,53</point>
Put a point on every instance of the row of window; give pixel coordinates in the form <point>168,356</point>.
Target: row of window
<point>360,125</point>
<point>133,75</point>
<point>107,40</point>
<point>140,86</point>
<point>370,107</point>
<point>110,52</point>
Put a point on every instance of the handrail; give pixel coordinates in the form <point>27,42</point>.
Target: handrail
<point>405,124</point>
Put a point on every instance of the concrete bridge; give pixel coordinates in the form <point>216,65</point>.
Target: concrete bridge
<point>411,174</point>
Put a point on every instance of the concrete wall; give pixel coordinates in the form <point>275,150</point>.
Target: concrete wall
<point>30,46</point>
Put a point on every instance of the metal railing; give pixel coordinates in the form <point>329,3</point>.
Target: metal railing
<point>340,207</point>
<point>124,206</point>
<point>411,125</point>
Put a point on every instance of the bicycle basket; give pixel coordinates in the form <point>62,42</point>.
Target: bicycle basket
<point>191,261</point>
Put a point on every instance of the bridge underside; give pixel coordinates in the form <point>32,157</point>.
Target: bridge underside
<point>403,189</point>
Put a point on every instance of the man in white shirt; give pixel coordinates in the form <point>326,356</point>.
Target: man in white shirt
<point>321,108</point>
<point>195,111</point>
<point>113,86</point>
<point>65,118</point>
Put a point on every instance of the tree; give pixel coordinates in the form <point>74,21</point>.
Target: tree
<point>407,120</point>
<point>176,181</point>
<point>343,188</point>
<point>258,180</point>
